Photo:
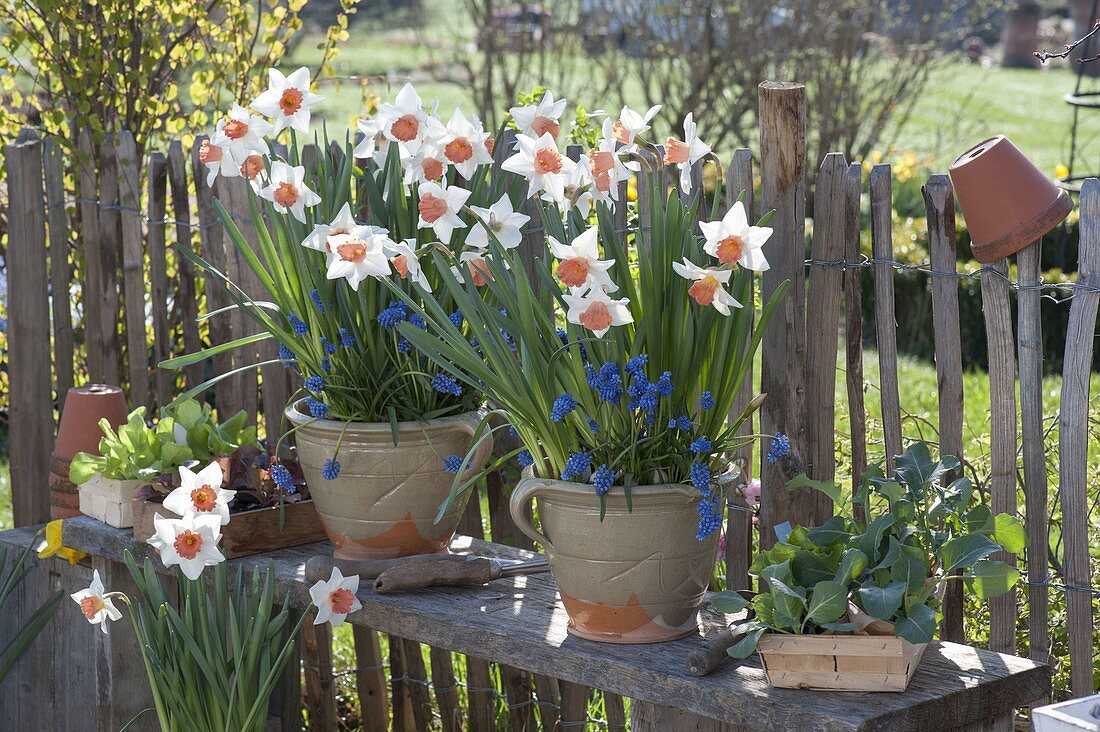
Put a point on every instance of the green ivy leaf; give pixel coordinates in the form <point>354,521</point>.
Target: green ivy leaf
<point>991,578</point>
<point>1009,533</point>
<point>851,565</point>
<point>828,601</point>
<point>828,487</point>
<point>882,602</point>
<point>919,626</point>
<point>963,551</point>
<point>728,602</point>
<point>744,647</point>
<point>833,531</point>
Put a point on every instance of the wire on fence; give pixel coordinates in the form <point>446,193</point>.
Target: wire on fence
<point>925,268</point>
<point>1051,290</point>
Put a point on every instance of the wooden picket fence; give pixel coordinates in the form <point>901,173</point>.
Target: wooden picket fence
<point>125,211</point>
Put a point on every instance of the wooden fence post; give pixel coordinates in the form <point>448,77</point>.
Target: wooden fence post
<point>157,175</point>
<point>30,417</point>
<point>60,273</point>
<point>133,267</point>
<point>823,315</point>
<point>882,246</point>
<point>783,188</point>
<point>1030,348</point>
<point>939,203</point>
<point>739,519</point>
<point>187,292</point>
<point>320,686</point>
<point>213,249</point>
<point>233,194</point>
<point>370,679</point>
<point>853,327</point>
<point>997,310</point>
<point>101,293</point>
<point>1073,443</point>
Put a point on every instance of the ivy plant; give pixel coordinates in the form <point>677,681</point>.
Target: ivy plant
<point>915,531</point>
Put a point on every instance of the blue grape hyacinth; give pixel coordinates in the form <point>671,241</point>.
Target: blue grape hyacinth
<point>317,409</point>
<point>300,328</point>
<point>445,384</point>
<point>780,448</point>
<point>576,465</point>
<point>452,463</point>
<point>524,458</point>
<point>563,405</point>
<point>603,478</point>
<point>331,470</point>
<point>282,477</point>
<point>706,400</point>
<point>315,384</point>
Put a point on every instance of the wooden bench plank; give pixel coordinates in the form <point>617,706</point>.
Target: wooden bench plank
<point>521,622</point>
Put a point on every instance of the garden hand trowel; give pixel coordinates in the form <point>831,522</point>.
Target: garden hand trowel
<point>426,570</point>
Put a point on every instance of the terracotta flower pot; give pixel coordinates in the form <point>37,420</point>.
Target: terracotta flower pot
<point>636,577</point>
<point>384,501</point>
<point>1008,202</point>
<point>79,432</point>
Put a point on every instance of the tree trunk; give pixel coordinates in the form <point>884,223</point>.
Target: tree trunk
<point>1021,34</point>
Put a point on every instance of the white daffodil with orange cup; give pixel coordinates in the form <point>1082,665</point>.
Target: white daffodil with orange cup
<point>175,640</point>
<point>329,232</point>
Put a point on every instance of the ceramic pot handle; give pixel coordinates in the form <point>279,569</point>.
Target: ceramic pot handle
<point>522,494</point>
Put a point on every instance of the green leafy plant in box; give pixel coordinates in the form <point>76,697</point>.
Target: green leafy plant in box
<point>917,530</point>
<point>138,451</point>
<point>135,451</point>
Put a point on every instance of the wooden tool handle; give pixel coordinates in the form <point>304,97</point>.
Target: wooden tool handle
<point>701,662</point>
<point>320,568</point>
<point>427,573</point>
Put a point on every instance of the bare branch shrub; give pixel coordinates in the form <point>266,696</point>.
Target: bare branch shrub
<point>864,62</point>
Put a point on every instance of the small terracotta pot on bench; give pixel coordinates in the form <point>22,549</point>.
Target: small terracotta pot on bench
<point>79,431</point>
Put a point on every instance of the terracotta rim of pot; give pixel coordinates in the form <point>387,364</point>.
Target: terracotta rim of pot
<point>1027,233</point>
<point>1007,201</point>
<point>78,429</point>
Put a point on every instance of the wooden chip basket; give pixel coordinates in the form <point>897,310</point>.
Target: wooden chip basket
<point>839,662</point>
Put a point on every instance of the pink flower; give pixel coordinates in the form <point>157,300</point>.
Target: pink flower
<point>751,492</point>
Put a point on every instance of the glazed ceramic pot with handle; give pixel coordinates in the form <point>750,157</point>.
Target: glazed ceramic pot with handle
<point>385,499</point>
<point>636,577</point>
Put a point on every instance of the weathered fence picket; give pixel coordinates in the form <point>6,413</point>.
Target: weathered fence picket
<point>30,416</point>
<point>853,325</point>
<point>823,291</point>
<point>60,272</point>
<point>1073,445</point>
<point>782,374</point>
<point>886,326</point>
<point>739,184</point>
<point>186,294</point>
<point>1030,348</point>
<point>1002,442</point>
